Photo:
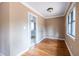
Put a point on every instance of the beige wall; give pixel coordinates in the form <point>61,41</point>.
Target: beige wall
<point>13,19</point>
<point>73,44</point>
<point>55,27</point>
<point>19,35</point>
<point>4,28</point>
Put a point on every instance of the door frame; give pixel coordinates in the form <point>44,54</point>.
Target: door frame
<point>29,29</point>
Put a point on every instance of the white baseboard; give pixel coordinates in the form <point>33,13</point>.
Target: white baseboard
<point>39,42</point>
<point>27,49</point>
<point>69,49</point>
<point>22,52</point>
<point>54,38</point>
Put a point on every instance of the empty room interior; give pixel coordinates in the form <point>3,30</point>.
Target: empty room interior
<point>39,29</point>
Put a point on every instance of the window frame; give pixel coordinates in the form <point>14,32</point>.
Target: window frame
<point>70,21</point>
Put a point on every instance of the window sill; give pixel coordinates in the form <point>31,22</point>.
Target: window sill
<point>71,36</point>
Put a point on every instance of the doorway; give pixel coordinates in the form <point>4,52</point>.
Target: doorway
<point>32,29</point>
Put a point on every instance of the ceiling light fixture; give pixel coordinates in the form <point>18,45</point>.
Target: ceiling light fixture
<point>50,10</point>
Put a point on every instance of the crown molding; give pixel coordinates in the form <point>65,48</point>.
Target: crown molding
<point>71,7</point>
<point>25,4</point>
<point>67,8</point>
<point>53,17</point>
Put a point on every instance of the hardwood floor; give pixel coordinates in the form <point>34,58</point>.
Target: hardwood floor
<point>48,47</point>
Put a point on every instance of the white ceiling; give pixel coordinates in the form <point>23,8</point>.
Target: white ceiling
<point>59,8</point>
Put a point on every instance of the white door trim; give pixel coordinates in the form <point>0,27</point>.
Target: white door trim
<point>29,29</point>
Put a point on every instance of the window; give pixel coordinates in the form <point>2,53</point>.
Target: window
<point>71,23</point>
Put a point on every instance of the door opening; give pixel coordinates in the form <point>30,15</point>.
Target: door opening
<point>32,29</point>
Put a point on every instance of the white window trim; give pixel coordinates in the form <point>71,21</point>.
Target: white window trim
<point>70,10</point>
<point>29,29</point>
<point>71,36</point>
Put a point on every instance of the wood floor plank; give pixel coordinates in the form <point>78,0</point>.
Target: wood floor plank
<point>48,47</point>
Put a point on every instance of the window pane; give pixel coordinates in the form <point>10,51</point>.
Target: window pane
<point>67,21</point>
<point>74,14</point>
<point>70,18</point>
<point>69,29</point>
<point>73,28</point>
<point>71,23</point>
